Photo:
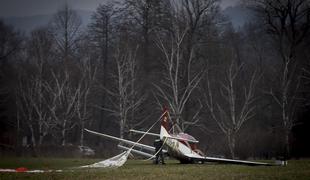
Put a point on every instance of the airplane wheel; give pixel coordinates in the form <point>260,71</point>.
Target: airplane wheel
<point>186,161</point>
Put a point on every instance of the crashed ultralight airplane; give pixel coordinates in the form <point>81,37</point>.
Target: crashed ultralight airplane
<point>180,146</point>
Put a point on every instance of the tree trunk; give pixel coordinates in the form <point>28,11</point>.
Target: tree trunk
<point>82,135</point>
<point>231,143</point>
<point>287,144</point>
<point>18,138</point>
<point>33,140</point>
<point>121,130</point>
<point>104,59</point>
<point>41,139</point>
<point>63,133</point>
<point>41,135</point>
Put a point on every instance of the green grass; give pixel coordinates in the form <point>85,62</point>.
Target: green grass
<point>136,169</point>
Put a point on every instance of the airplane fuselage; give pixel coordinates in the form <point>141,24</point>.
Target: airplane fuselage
<point>180,150</point>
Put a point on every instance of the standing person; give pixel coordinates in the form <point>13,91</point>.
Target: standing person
<point>158,149</point>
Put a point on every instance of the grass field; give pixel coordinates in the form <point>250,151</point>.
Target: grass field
<point>136,169</point>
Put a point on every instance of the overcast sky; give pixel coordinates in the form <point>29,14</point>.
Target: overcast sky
<point>34,7</point>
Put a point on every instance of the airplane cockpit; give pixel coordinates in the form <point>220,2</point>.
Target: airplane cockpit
<point>187,136</point>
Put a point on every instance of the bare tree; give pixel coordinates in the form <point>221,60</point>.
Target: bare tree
<point>171,89</point>
<point>123,97</point>
<point>86,82</point>
<point>25,108</point>
<point>10,41</point>
<point>232,110</point>
<point>288,22</point>
<point>102,31</point>
<point>31,93</point>
<point>198,15</point>
<point>31,107</point>
<point>147,16</point>
<point>63,103</point>
<point>65,27</point>
<point>10,47</point>
<point>41,51</point>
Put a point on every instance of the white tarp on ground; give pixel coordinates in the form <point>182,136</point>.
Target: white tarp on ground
<point>119,160</point>
<point>114,162</point>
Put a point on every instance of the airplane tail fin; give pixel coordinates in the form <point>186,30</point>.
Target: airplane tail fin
<point>164,127</point>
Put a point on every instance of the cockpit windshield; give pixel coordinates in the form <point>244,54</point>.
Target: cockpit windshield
<point>186,136</point>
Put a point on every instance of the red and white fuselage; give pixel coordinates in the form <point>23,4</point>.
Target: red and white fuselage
<point>180,146</point>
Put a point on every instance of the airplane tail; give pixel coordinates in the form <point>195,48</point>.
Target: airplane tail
<point>164,127</point>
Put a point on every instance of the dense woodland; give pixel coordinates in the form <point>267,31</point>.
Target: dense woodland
<point>242,92</point>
